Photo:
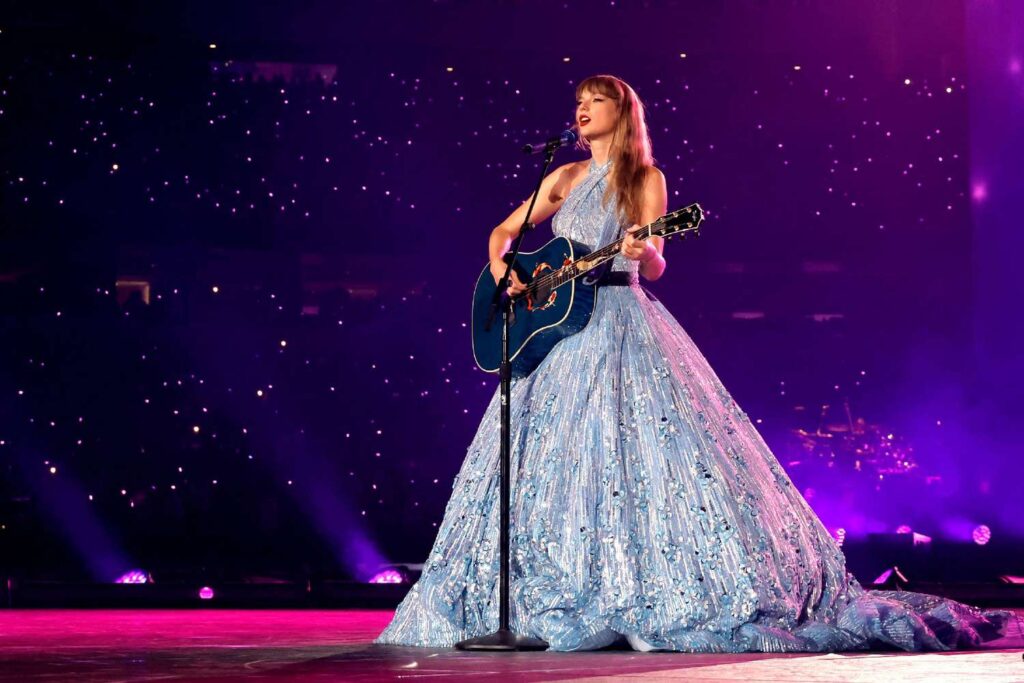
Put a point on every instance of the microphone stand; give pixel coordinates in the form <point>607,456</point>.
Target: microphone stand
<point>504,640</point>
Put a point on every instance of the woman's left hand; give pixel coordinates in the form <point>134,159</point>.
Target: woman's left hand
<point>637,250</point>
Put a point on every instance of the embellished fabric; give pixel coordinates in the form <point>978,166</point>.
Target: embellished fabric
<point>646,506</point>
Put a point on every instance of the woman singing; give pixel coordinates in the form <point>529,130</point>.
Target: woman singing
<point>645,504</point>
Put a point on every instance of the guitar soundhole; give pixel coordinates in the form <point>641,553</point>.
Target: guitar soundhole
<point>545,295</point>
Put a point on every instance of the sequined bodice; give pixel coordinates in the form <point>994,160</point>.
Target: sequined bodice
<point>585,217</point>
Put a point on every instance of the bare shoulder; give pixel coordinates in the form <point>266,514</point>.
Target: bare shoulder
<point>566,177</point>
<point>573,170</point>
<point>654,177</point>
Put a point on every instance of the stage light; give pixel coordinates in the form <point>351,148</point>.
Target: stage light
<point>135,576</point>
<point>206,593</point>
<point>981,534</point>
<point>904,529</point>
<point>391,574</point>
<point>891,578</point>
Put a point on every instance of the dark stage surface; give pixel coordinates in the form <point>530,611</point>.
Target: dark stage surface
<point>335,645</point>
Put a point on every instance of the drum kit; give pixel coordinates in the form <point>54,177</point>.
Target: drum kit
<point>843,442</point>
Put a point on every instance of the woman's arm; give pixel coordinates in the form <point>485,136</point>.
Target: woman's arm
<point>552,193</point>
<point>654,205</point>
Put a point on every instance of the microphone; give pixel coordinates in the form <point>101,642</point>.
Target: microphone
<point>567,138</point>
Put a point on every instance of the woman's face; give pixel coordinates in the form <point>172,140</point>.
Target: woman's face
<point>596,115</point>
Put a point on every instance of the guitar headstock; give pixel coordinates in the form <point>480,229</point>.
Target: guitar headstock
<point>680,222</point>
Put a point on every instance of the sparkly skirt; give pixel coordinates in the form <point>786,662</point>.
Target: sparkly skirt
<point>646,507</point>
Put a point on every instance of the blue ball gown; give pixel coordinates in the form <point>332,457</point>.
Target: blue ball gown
<point>646,507</point>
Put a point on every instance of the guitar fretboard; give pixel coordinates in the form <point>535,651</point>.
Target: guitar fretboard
<point>571,271</point>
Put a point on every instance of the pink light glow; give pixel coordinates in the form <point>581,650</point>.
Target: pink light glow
<point>206,593</point>
<point>889,574</point>
<point>388,576</point>
<point>134,576</point>
<point>981,534</point>
<point>921,539</point>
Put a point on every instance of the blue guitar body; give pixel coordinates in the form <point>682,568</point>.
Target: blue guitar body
<point>536,325</point>
<point>562,279</point>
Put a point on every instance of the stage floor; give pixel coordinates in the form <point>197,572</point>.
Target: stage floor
<point>335,645</point>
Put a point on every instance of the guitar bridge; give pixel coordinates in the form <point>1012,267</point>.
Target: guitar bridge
<point>542,297</point>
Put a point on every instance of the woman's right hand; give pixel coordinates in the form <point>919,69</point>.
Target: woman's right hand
<point>516,286</point>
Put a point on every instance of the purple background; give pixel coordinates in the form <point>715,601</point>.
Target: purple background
<point>299,391</point>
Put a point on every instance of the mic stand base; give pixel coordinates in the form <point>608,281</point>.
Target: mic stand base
<point>501,640</point>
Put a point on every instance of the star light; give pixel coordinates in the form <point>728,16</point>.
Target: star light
<point>235,177</point>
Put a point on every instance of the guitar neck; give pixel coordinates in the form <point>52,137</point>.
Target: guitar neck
<point>582,266</point>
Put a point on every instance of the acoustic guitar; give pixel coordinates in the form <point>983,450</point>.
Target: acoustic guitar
<point>562,279</point>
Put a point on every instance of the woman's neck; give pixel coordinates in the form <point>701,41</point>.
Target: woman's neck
<point>599,150</point>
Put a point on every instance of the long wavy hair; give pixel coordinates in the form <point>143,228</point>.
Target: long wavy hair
<point>630,151</point>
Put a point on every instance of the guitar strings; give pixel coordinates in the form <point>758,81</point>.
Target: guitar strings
<point>559,277</point>
<point>569,272</point>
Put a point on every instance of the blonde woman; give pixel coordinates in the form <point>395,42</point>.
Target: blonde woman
<point>646,506</point>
